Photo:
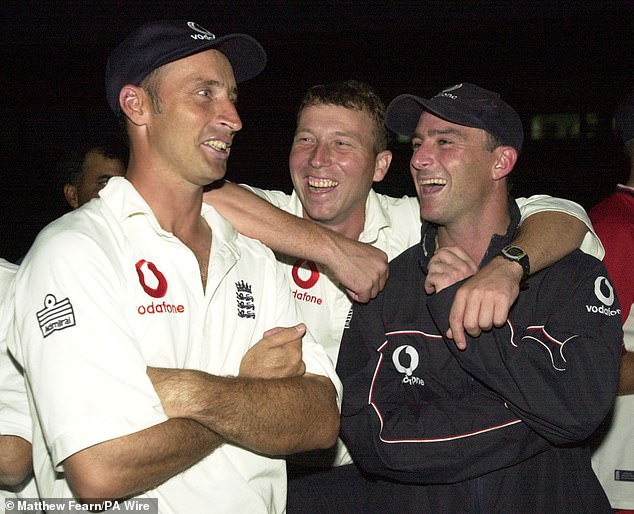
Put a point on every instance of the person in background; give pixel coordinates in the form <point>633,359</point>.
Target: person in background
<point>16,464</point>
<point>148,329</point>
<point>85,171</point>
<point>339,150</point>
<point>500,423</point>
<point>613,219</point>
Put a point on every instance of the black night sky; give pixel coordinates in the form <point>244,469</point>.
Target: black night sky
<point>542,56</point>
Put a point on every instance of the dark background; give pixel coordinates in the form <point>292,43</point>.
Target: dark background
<point>543,57</point>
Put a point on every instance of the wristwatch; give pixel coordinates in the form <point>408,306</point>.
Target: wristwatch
<point>516,254</point>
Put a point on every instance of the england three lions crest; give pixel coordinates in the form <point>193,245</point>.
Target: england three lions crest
<point>244,300</point>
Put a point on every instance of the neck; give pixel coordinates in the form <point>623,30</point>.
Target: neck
<point>474,233</point>
<point>350,228</point>
<point>175,202</point>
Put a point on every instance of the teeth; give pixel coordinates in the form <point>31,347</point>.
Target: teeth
<point>321,182</point>
<point>217,145</point>
<point>433,182</point>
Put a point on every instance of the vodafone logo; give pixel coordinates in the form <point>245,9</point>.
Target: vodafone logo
<point>602,286</point>
<point>152,280</point>
<point>412,357</point>
<point>604,292</point>
<point>407,364</point>
<point>203,33</point>
<point>305,278</point>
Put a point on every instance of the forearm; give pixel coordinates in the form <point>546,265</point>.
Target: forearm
<point>15,460</point>
<point>556,370</point>
<point>283,232</point>
<point>427,434</point>
<point>270,416</point>
<point>626,375</point>
<point>547,236</point>
<point>360,268</point>
<point>128,465</point>
<point>444,440</point>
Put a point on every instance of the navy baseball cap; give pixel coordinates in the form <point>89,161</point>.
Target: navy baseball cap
<point>464,104</point>
<point>624,119</point>
<point>160,42</point>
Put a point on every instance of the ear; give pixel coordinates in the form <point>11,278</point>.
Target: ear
<point>382,165</point>
<point>506,157</point>
<point>70,192</point>
<point>133,103</point>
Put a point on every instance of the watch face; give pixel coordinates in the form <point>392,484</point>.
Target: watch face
<point>514,251</point>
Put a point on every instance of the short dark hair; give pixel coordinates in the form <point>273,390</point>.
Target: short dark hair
<point>151,84</point>
<point>70,166</point>
<point>492,142</point>
<point>351,94</point>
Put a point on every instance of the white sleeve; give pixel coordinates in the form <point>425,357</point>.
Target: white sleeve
<point>83,363</point>
<point>14,407</point>
<point>537,203</point>
<point>280,199</point>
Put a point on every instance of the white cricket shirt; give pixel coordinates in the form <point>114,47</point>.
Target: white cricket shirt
<point>105,292</point>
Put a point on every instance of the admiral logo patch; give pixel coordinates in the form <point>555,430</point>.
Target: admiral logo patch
<point>55,315</point>
<point>244,299</point>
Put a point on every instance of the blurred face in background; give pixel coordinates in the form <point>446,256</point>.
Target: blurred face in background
<point>97,169</point>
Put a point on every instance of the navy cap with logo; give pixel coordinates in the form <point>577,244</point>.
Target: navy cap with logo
<point>624,119</point>
<point>160,42</point>
<point>464,104</point>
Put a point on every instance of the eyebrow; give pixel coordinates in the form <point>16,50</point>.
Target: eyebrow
<point>211,83</point>
<point>336,133</point>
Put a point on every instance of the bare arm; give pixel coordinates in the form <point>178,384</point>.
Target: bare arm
<point>15,460</point>
<point>128,465</point>
<point>547,236</point>
<point>626,376</point>
<point>270,416</point>
<point>485,299</point>
<point>273,407</point>
<point>359,267</point>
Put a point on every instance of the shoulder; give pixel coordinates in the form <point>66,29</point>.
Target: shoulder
<point>573,269</point>
<point>280,199</point>
<point>78,243</point>
<point>539,203</point>
<point>405,266</point>
<point>616,208</point>
<point>394,206</point>
<point>7,272</point>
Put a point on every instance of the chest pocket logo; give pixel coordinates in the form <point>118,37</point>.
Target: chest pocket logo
<point>413,360</point>
<point>245,300</point>
<point>144,268</point>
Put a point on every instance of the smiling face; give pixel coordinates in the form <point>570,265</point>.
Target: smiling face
<point>194,117</point>
<point>333,165</point>
<point>452,170</point>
